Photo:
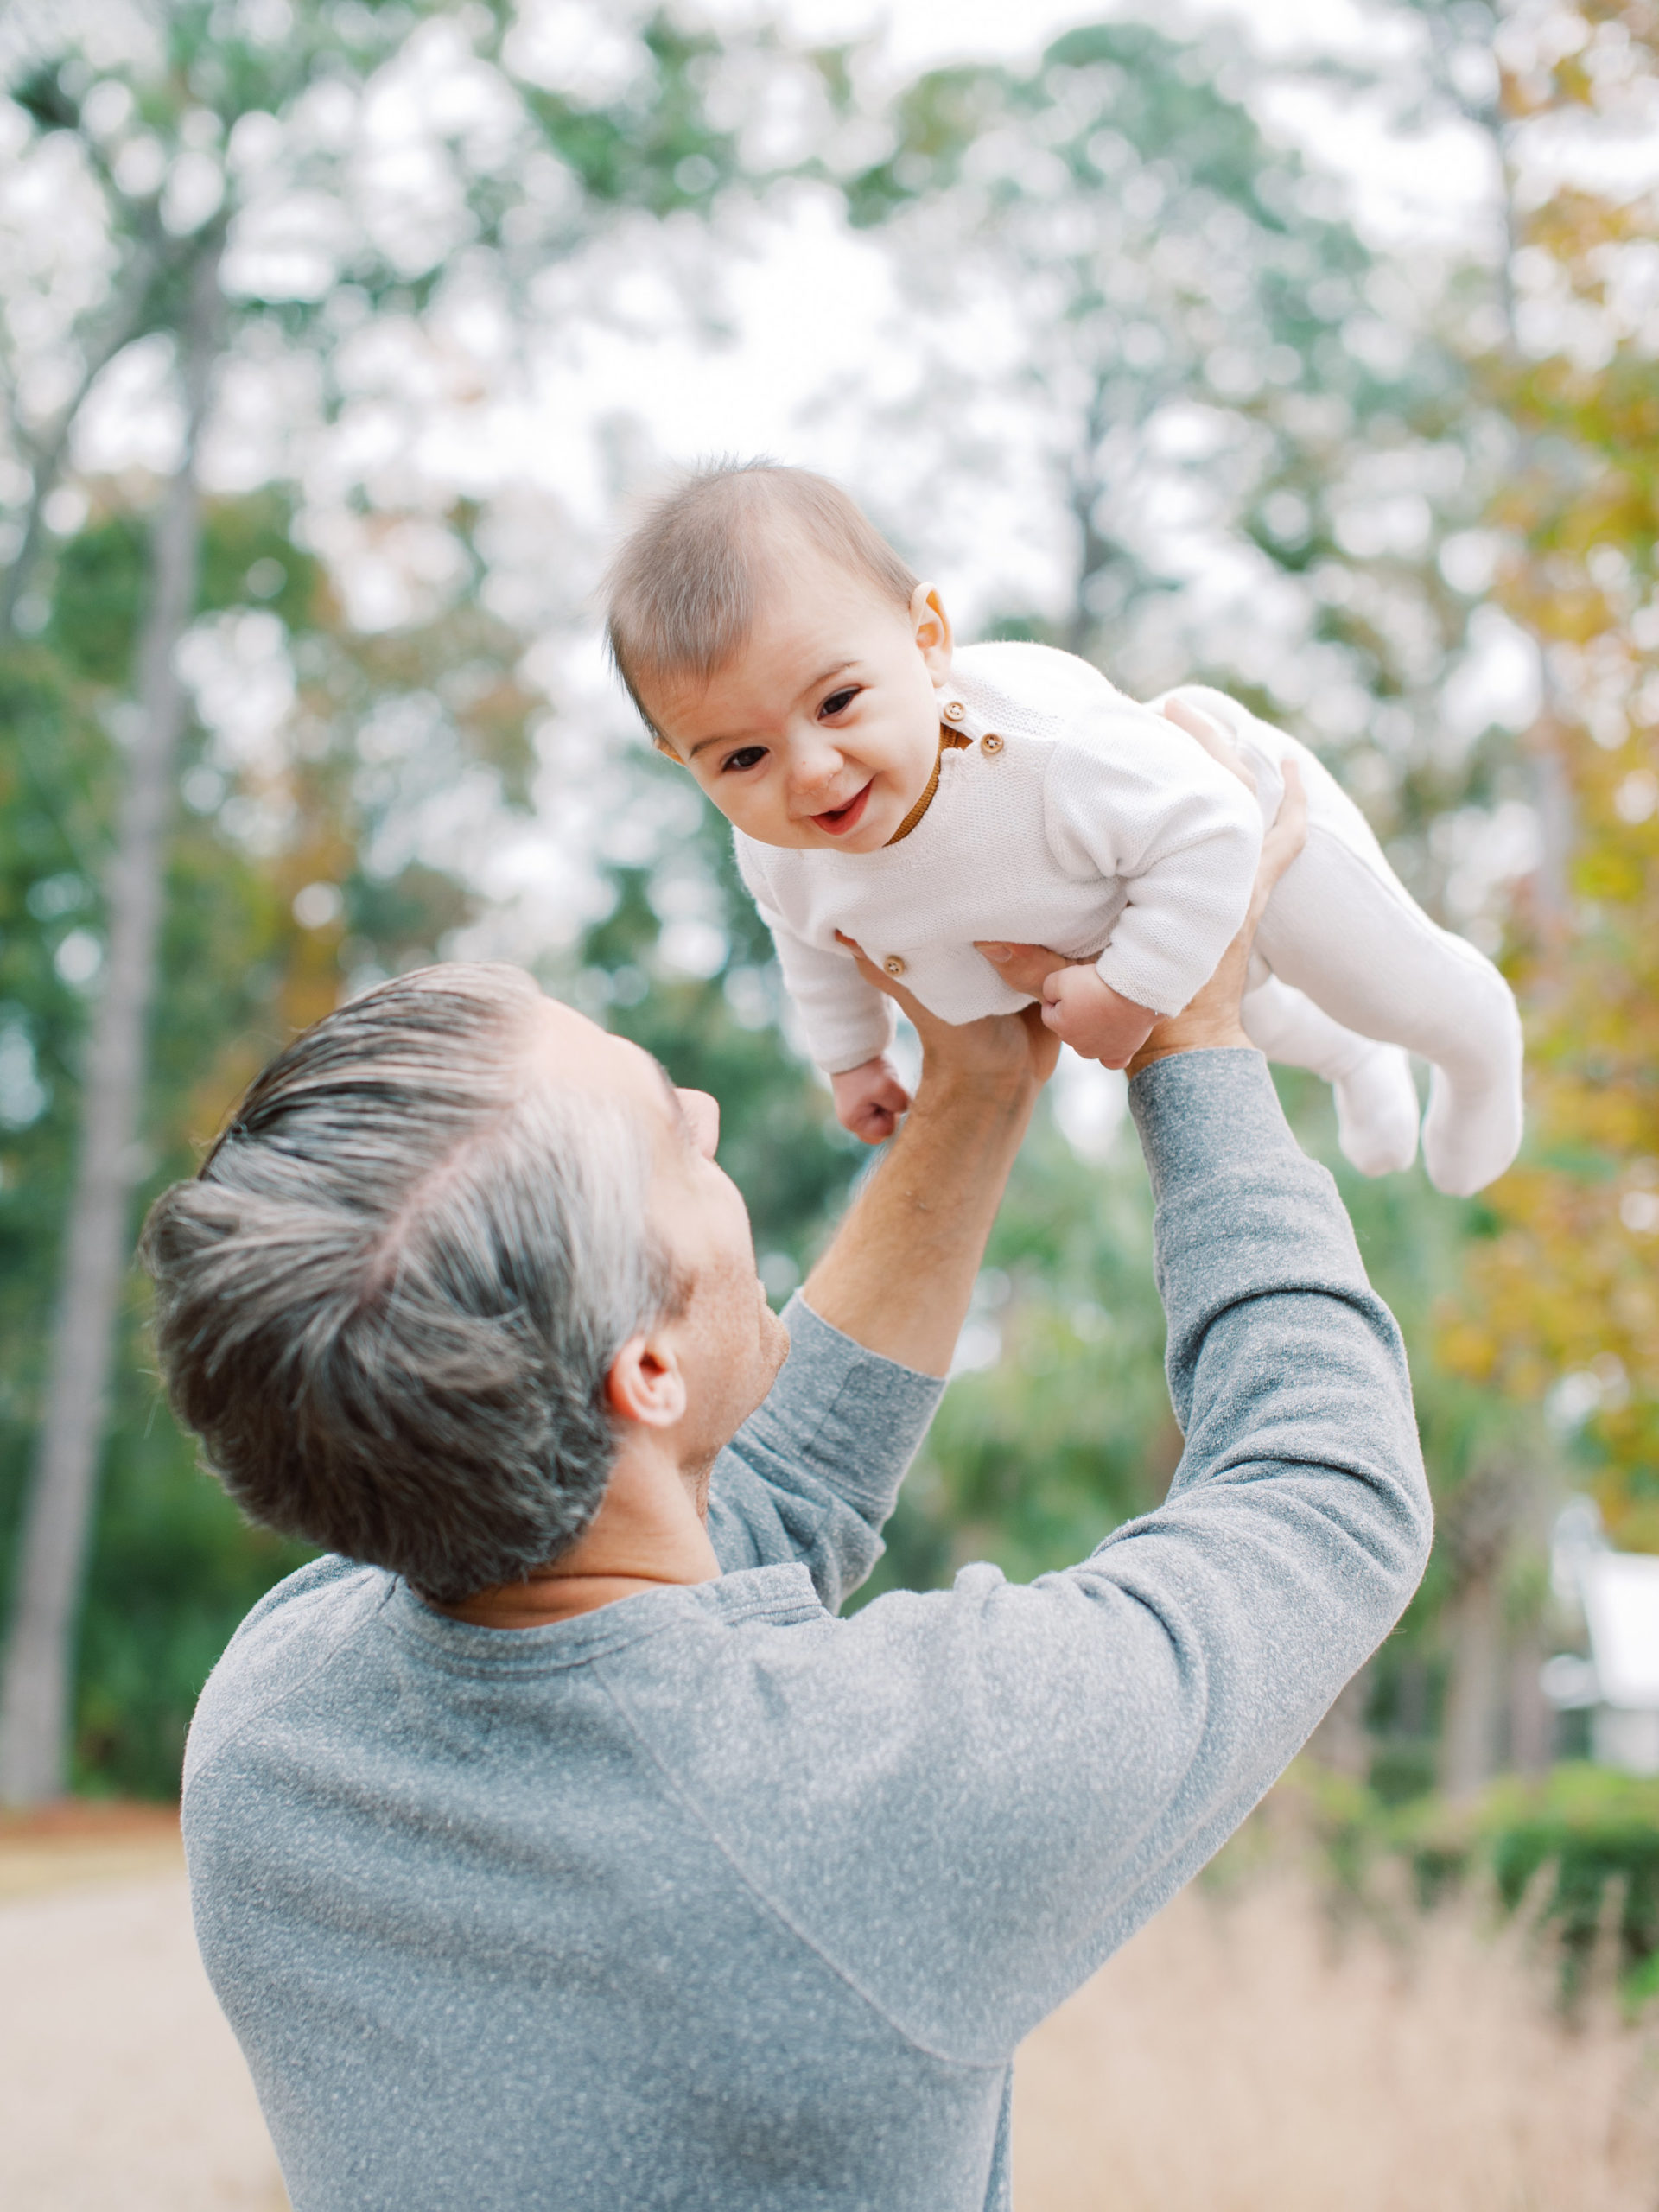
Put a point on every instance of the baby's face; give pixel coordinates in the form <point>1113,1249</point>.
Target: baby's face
<point>824,730</point>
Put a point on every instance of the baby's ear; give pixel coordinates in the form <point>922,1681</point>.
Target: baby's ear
<point>932,628</point>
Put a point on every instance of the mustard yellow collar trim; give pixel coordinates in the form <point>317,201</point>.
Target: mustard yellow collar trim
<point>951,741</point>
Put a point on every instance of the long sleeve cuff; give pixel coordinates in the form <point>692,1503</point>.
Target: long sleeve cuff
<point>1198,1111</point>
<point>846,1415</point>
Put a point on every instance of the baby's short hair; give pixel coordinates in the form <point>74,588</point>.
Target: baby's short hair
<point>685,587</point>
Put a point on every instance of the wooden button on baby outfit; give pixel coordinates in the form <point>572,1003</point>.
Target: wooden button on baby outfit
<point>893,964</point>
<point>990,742</point>
<point>953,710</point>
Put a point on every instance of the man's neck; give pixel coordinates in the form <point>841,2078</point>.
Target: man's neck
<point>647,1535</point>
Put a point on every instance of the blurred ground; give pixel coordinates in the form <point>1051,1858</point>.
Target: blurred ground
<point>1242,2055</point>
<point>1253,2053</point>
<point>121,2088</point>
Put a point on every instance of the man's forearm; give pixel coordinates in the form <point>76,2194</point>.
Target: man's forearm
<point>901,1272</point>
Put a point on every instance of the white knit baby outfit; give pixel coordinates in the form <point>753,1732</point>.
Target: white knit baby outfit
<point>1075,818</point>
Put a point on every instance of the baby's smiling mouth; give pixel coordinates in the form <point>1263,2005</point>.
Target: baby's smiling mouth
<point>839,820</point>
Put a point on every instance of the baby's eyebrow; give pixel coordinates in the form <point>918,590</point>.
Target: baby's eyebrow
<point>840,669</point>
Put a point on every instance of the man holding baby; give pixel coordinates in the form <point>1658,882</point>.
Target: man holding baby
<point>553,1841</point>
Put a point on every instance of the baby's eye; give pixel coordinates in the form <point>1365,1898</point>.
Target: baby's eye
<point>838,700</point>
<point>744,757</point>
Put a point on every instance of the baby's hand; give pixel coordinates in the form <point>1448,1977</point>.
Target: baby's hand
<point>870,1100</point>
<point>1093,1018</point>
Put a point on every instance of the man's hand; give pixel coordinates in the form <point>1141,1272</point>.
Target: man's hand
<point>869,1099</point>
<point>1003,1052</point>
<point>899,1275</point>
<point>1211,1020</point>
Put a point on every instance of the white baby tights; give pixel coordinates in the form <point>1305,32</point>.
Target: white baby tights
<point>1343,931</point>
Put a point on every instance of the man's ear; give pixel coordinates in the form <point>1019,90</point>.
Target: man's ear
<point>932,627</point>
<point>644,1384</point>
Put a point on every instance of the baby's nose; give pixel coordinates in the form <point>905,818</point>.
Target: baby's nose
<point>816,767</point>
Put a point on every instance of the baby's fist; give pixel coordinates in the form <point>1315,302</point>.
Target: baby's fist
<point>870,1100</point>
<point>1093,1018</point>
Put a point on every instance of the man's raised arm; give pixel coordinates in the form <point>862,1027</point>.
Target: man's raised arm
<point>813,1475</point>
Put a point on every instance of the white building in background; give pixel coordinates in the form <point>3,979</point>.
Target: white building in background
<point>1617,1594</point>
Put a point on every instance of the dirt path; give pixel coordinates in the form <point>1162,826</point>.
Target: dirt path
<point>121,2088</point>
<point>1228,2060</point>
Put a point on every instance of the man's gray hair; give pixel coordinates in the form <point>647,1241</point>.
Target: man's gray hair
<point>389,1301</point>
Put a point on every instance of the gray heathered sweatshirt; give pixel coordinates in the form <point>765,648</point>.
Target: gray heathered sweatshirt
<point>713,1900</point>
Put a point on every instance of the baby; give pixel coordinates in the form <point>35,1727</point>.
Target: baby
<point>889,789</point>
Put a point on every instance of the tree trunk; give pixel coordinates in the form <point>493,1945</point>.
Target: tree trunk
<point>118,330</point>
<point>35,1711</point>
<point>1532,1719</point>
<point>1468,1744</point>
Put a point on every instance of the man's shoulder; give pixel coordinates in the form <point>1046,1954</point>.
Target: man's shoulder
<point>293,1632</point>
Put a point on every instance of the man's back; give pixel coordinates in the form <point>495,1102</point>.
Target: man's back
<point>710,1900</point>
<point>506,1957</point>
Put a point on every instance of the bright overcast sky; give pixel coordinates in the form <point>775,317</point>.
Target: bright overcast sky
<point>921,32</point>
<point>1404,188</point>
<point>791,382</point>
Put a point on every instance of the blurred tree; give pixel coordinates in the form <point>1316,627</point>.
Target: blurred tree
<point>1249,418</point>
<point>1562,1295</point>
<point>35,1712</point>
<point>185,159</point>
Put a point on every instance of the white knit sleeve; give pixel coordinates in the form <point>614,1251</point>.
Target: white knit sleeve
<point>1138,799</point>
<point>846,1020</point>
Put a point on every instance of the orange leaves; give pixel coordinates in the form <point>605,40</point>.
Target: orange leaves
<point>1564,1297</point>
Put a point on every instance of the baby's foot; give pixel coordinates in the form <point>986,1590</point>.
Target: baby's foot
<point>1472,1130</point>
<point>1376,1111</point>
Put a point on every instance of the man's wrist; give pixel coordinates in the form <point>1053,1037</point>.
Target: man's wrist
<point>952,1089</point>
<point>1173,1036</point>
<point>899,1275</point>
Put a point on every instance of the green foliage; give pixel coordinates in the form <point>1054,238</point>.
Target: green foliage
<point>657,152</point>
<point>1571,1856</point>
<point>249,557</point>
<point>98,599</point>
<point>1579,1848</point>
<point>53,774</point>
<point>1033,1461</point>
